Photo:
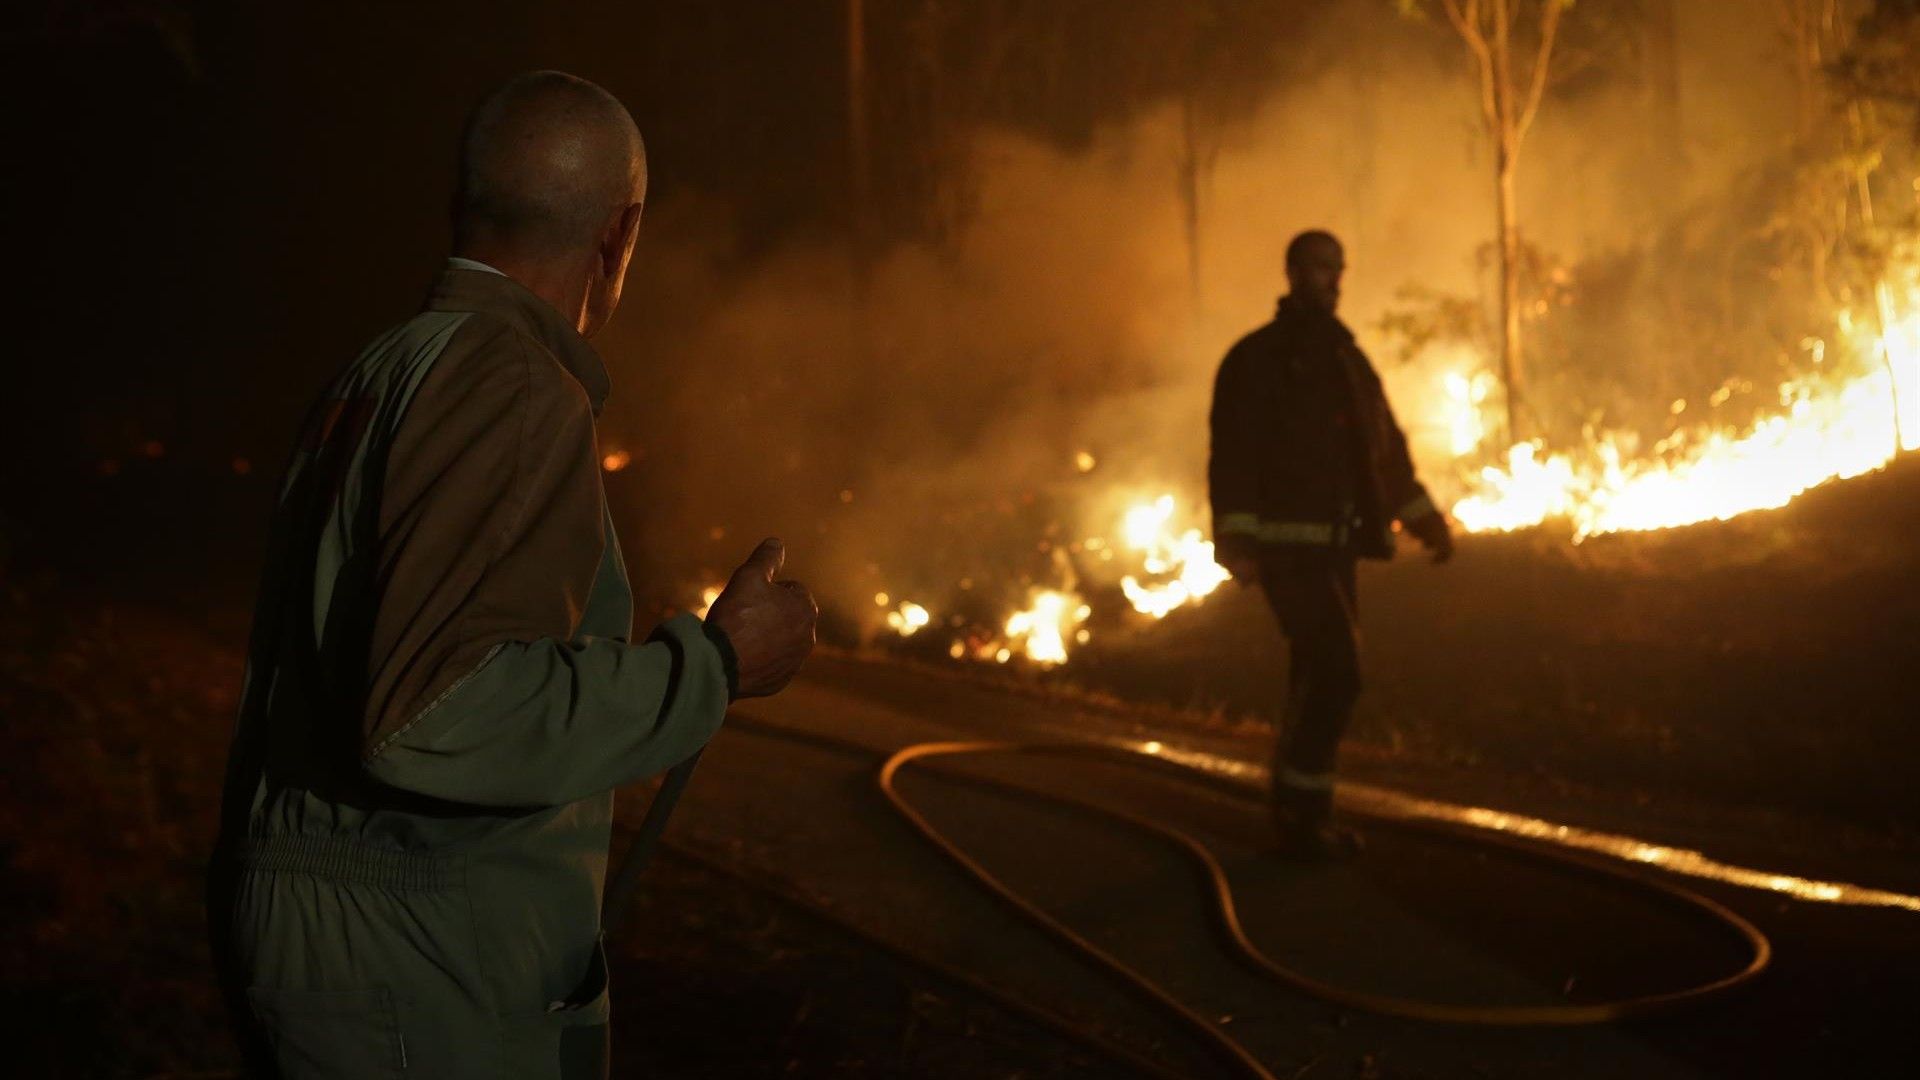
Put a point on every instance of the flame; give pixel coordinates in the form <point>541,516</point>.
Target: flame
<point>615,460</point>
<point>1827,428</point>
<point>1184,561</point>
<point>1041,629</point>
<point>1463,409</point>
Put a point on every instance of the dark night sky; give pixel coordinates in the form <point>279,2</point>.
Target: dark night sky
<point>223,206</point>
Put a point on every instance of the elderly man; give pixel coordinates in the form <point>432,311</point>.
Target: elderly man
<point>1309,472</point>
<point>441,690</point>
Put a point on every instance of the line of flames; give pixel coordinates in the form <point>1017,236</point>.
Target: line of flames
<point>1829,427</point>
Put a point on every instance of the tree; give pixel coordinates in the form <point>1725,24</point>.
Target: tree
<point>1815,36</point>
<point>1510,47</point>
<point>1882,63</point>
<point>1873,74</point>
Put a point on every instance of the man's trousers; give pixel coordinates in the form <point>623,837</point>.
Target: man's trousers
<point>1312,594</point>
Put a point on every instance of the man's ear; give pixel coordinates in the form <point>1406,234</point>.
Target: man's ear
<point>617,242</point>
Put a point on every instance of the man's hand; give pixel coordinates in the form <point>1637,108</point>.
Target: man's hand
<point>1239,557</point>
<point>1434,534</point>
<point>1244,568</point>
<point>769,623</point>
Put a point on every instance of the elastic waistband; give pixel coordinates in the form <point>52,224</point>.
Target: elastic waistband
<point>340,860</point>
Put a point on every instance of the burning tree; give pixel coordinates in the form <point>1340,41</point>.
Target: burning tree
<point>1510,44</point>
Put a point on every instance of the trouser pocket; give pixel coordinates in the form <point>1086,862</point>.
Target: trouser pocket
<point>587,1003</point>
<point>331,1033</point>
<point>568,1040</point>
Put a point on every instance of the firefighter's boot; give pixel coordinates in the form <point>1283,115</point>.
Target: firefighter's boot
<point>1303,825</point>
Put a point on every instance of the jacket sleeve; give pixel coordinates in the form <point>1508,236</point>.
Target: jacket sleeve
<point>1233,477</point>
<point>546,722</point>
<point>1407,498</point>
<point>491,535</point>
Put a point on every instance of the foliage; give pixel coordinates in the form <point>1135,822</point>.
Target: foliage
<point>1882,65</point>
<point>1425,318</point>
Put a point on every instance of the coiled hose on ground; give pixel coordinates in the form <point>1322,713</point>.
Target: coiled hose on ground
<point>1226,914</point>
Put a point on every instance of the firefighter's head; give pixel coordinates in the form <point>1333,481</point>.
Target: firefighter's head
<point>1315,262</point>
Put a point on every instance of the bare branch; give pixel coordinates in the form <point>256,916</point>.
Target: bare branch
<point>1550,13</point>
<point>1466,22</point>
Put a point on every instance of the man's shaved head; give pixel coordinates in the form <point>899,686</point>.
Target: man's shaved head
<point>1315,264</point>
<point>1309,244</point>
<point>546,161</point>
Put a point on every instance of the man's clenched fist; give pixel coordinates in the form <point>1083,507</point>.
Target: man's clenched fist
<point>769,623</point>
<point>1434,534</point>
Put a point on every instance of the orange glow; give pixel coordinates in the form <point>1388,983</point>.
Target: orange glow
<point>615,460</point>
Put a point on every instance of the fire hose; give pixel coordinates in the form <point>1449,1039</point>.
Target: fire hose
<point>1225,910</point>
<point>1228,918</point>
<point>618,899</point>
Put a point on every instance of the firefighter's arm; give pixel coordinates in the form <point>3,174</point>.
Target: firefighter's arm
<point>1413,508</point>
<point>522,710</point>
<point>1233,480</point>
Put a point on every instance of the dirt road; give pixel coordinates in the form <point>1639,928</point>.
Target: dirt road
<point>1418,915</point>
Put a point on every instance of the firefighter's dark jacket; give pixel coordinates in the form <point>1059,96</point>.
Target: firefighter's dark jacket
<point>442,693</point>
<point>1305,451</point>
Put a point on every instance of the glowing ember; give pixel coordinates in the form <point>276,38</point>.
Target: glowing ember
<point>1041,630</point>
<point>1084,461</point>
<point>615,460</point>
<point>908,618</point>
<point>707,596</point>
<point>1181,562</point>
<point>1827,429</point>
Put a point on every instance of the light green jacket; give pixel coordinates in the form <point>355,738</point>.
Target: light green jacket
<point>441,696</point>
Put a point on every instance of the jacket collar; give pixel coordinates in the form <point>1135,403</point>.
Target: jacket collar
<point>1294,310</point>
<point>495,294</point>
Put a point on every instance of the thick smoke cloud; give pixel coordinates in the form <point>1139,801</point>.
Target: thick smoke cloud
<point>913,428</point>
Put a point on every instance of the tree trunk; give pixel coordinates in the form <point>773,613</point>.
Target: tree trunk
<point>859,151</point>
<point>1506,151</point>
<point>1511,357</point>
<point>1189,182</point>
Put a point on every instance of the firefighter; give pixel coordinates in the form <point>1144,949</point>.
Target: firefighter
<point>442,688</point>
<point>1308,473</point>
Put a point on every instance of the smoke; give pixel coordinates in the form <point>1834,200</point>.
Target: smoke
<point>913,428</point>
